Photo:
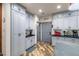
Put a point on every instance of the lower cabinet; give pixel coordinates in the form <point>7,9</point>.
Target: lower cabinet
<point>66,49</point>
<point>53,41</point>
<point>30,41</point>
<point>66,46</point>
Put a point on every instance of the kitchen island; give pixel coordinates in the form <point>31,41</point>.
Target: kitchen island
<point>66,45</point>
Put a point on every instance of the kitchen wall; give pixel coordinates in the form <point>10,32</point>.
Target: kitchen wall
<point>6,29</point>
<point>45,19</point>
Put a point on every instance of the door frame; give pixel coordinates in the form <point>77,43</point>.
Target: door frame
<point>1,28</point>
<point>40,28</point>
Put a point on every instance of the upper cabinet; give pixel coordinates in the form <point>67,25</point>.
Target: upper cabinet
<point>66,20</point>
<point>54,23</point>
<point>73,22</point>
<point>57,23</point>
<point>60,22</point>
<point>65,23</point>
<point>31,22</point>
<point>70,22</point>
<point>78,22</point>
<point>18,8</point>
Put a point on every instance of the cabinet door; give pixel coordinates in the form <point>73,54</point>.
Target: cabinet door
<point>28,43</point>
<point>27,21</point>
<point>78,22</point>
<point>54,23</point>
<point>60,23</point>
<point>18,33</point>
<point>33,40</point>
<point>15,32</point>
<point>21,34</point>
<point>73,22</point>
<point>31,22</point>
<point>54,39</point>
<point>65,23</point>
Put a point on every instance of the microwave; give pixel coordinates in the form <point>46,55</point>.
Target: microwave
<point>28,32</point>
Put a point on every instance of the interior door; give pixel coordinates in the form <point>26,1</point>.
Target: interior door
<point>46,30</point>
<point>0,27</point>
<point>18,41</point>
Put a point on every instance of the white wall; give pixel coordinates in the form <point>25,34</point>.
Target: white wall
<point>45,19</point>
<point>6,29</point>
<point>3,31</point>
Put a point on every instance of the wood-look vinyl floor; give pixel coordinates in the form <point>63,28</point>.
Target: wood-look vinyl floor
<point>41,49</point>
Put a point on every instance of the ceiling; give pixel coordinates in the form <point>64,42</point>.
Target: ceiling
<point>47,8</point>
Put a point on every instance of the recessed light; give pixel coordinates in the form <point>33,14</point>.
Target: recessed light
<point>58,6</point>
<point>40,10</point>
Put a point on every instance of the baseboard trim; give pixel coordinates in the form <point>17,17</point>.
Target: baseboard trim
<point>1,54</point>
<point>30,47</point>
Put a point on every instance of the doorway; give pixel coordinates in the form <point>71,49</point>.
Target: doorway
<point>44,32</point>
<point>0,28</point>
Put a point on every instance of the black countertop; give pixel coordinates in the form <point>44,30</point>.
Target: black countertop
<point>30,35</point>
<point>68,36</point>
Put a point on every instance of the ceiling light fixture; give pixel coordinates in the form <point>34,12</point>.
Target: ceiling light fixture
<point>40,10</point>
<point>58,6</point>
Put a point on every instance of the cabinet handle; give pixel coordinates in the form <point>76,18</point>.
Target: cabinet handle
<point>19,34</point>
<point>31,40</point>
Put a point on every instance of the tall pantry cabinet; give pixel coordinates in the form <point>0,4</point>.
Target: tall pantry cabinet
<point>18,30</point>
<point>19,24</point>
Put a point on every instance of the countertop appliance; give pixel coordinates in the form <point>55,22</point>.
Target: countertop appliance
<point>75,33</point>
<point>57,33</point>
<point>29,32</point>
